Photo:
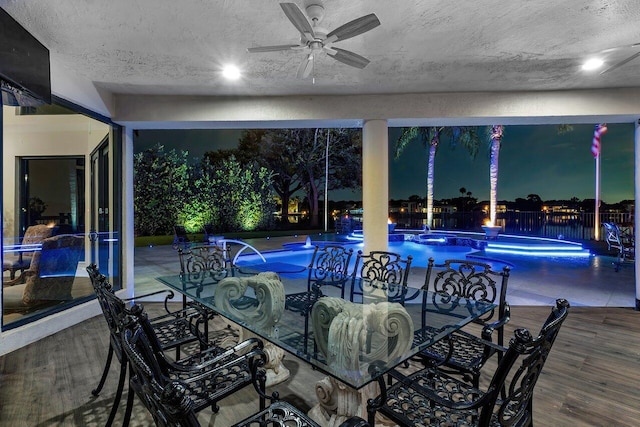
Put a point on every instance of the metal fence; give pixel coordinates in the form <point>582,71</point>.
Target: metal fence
<point>571,226</point>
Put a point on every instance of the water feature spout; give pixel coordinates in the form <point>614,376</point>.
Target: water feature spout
<point>307,243</point>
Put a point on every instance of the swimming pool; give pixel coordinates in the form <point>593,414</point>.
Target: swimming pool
<point>301,256</point>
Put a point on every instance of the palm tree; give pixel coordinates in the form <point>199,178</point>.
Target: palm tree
<point>496,132</point>
<point>430,138</point>
<point>495,136</point>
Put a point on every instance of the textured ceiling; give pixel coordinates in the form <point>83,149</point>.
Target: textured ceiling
<point>179,47</point>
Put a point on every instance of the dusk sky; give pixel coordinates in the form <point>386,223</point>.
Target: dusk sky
<point>533,160</point>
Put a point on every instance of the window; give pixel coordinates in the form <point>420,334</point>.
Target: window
<point>60,208</point>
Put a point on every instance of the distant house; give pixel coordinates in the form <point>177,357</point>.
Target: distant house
<point>559,206</point>
<point>502,206</point>
<point>444,208</point>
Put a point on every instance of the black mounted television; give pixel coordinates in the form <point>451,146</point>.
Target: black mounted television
<point>24,61</point>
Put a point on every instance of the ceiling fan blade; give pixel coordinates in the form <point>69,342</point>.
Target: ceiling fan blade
<point>298,19</point>
<point>621,63</point>
<point>613,49</point>
<point>305,68</point>
<point>348,57</point>
<point>272,48</point>
<point>353,28</point>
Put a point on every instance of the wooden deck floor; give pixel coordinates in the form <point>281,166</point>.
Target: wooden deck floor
<point>592,377</point>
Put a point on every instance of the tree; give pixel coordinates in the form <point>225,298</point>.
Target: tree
<point>244,197</point>
<point>496,133</point>
<point>430,138</point>
<point>277,150</point>
<point>160,185</point>
<point>344,164</point>
<point>495,136</point>
<point>297,159</point>
<point>535,202</point>
<point>230,195</point>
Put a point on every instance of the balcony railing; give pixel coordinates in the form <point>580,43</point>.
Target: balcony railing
<point>570,226</point>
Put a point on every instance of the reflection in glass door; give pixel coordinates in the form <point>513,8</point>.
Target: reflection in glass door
<point>99,231</point>
<point>52,193</point>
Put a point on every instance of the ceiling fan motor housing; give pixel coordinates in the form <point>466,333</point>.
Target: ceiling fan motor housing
<point>315,12</point>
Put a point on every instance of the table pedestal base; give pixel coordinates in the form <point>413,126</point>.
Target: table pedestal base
<point>276,371</point>
<point>338,402</point>
<point>265,315</point>
<point>352,336</point>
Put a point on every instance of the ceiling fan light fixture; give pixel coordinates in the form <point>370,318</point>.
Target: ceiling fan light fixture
<point>592,64</point>
<point>231,72</point>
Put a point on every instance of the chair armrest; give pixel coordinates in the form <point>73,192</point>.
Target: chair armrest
<point>190,311</point>
<point>170,296</point>
<point>488,328</point>
<point>168,291</point>
<point>213,356</point>
<point>205,370</point>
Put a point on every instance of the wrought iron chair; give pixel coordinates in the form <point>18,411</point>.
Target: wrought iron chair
<point>431,397</point>
<point>49,279</point>
<point>202,264</point>
<point>171,401</point>
<point>622,243</point>
<point>329,266</point>
<point>465,353</point>
<point>180,238</point>
<point>210,233</point>
<point>174,329</point>
<point>381,272</point>
<point>208,376</point>
<point>33,235</point>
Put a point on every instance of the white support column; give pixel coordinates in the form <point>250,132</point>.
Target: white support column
<point>127,212</point>
<point>375,184</point>
<point>636,217</point>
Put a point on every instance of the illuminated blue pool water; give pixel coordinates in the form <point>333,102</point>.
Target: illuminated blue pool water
<point>507,250</point>
<point>420,253</point>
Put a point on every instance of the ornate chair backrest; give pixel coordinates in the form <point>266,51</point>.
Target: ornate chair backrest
<point>203,262</point>
<point>35,234</point>
<point>516,409</point>
<point>166,400</point>
<point>113,308</point>
<point>381,271</point>
<point>468,279</point>
<point>329,266</point>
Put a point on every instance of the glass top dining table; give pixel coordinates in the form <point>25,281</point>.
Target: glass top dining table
<point>352,341</point>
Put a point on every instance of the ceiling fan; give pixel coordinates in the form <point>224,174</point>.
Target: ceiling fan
<point>624,61</point>
<point>315,39</point>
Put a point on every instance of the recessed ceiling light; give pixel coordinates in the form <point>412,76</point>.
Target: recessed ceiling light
<point>592,64</point>
<point>231,72</point>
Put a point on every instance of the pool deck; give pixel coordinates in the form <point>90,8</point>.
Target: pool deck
<point>590,281</point>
